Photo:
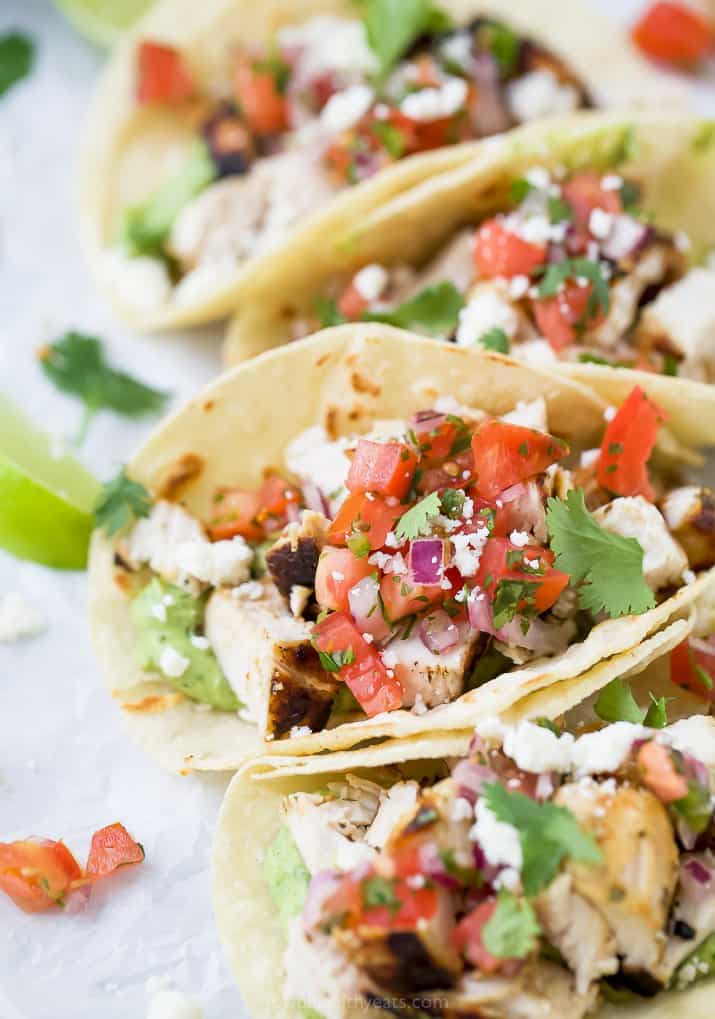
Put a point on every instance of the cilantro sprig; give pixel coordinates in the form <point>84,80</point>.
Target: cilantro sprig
<point>416,521</point>
<point>494,339</point>
<point>121,502</point>
<point>433,311</point>
<point>17,53</point>
<point>334,661</point>
<point>393,25</point>
<point>608,567</point>
<point>557,273</point>
<point>512,930</point>
<point>616,703</point>
<point>380,891</point>
<point>76,364</point>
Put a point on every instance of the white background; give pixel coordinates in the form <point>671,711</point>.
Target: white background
<point>66,765</point>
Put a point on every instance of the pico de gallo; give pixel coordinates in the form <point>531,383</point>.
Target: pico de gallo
<point>323,105</point>
<point>402,568</point>
<point>43,874</point>
<point>555,870</point>
<point>571,270</point>
<point>675,33</point>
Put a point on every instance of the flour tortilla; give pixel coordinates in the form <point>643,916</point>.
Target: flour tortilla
<point>129,150</point>
<point>672,155</point>
<point>344,378</point>
<point>250,819</point>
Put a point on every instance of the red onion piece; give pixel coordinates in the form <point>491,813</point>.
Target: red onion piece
<point>426,560</point>
<point>365,608</point>
<point>626,237</point>
<point>428,418</point>
<point>77,898</point>
<point>439,633</point>
<point>479,609</point>
<point>695,768</point>
<point>322,886</point>
<point>526,507</point>
<point>470,777</point>
<point>434,868</point>
<point>314,499</point>
<point>696,878</point>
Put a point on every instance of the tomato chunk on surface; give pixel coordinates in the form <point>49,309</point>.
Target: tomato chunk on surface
<point>236,514</point>
<point>627,445</point>
<point>162,74</point>
<point>502,560</point>
<point>410,908</point>
<point>500,252</point>
<point>402,598</point>
<point>37,873</point>
<point>259,97</point>
<point>384,467</point>
<point>584,192</point>
<point>364,672</point>
<point>505,454</point>
<point>659,773</point>
<point>351,303</point>
<point>692,667</point>
<point>467,938</point>
<point>338,571</point>
<point>674,33</point>
<point>112,847</point>
<point>364,514</point>
<point>563,318</point>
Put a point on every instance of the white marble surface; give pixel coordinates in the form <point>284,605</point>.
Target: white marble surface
<point>66,766</point>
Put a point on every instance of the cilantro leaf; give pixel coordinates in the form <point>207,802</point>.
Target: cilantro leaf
<point>415,521</point>
<point>434,311</point>
<point>548,833</point>
<point>327,311</point>
<point>610,566</point>
<point>76,364</point>
<point>512,930</point>
<point>509,595</point>
<point>121,502</point>
<point>495,339</point>
<point>656,717</point>
<point>520,187</point>
<point>359,545</point>
<point>559,210</point>
<point>333,661</point>
<point>393,25</point>
<point>17,53</point>
<point>558,273</point>
<point>616,703</point>
<point>393,140</point>
<point>503,43</point>
<point>380,891</point>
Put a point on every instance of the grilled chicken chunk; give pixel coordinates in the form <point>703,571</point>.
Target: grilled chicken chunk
<point>317,973</point>
<point>690,514</point>
<point>691,922</point>
<point>428,679</point>
<point>635,517</point>
<point>267,657</point>
<point>633,887</point>
<point>293,560</point>
<point>681,321</point>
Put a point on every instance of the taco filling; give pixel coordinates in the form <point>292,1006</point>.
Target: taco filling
<point>324,105</point>
<point>405,567</point>
<point>571,269</point>
<point>547,873</point>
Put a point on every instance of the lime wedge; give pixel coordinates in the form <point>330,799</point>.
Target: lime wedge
<point>46,501</point>
<point>102,21</point>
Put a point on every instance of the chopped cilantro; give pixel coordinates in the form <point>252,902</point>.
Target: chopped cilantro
<point>559,210</point>
<point>695,807</point>
<point>512,931</point>
<point>470,877</point>
<point>392,138</point>
<point>359,545</point>
<point>547,723</point>
<point>510,594</point>
<point>17,52</point>
<point>609,566</point>
<point>520,188</point>
<point>452,501</point>
<point>616,703</point>
<point>380,891</point>
<point>656,717</point>
<point>333,661</point>
<point>630,195</point>
<point>121,502</point>
<point>495,339</point>
<point>503,43</point>
<point>548,833</point>
<point>558,273</point>
<point>393,25</point>
<point>433,311</point>
<point>327,311</point>
<point>416,520</point>
<point>703,676</point>
<point>671,365</point>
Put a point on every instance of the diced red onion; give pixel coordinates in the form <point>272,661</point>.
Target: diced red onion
<point>322,886</point>
<point>426,560</point>
<point>77,898</point>
<point>314,499</point>
<point>428,417</point>
<point>434,868</point>
<point>696,879</point>
<point>696,769</point>
<point>479,609</point>
<point>364,602</point>
<point>439,633</point>
<point>626,237</point>
<point>470,778</point>
<point>527,511</point>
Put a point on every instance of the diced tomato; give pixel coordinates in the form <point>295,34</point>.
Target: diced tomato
<point>37,873</point>
<point>401,598</point>
<point>352,304</point>
<point>162,74</point>
<point>258,95</point>
<point>366,514</point>
<point>365,675</point>
<point>236,513</point>
<point>692,667</point>
<point>467,938</point>
<point>674,33</point>
<point>456,472</point>
<point>411,907</point>
<point>500,560</point>
<point>275,497</point>
<point>112,847</point>
<point>584,192</point>
<point>385,467</point>
<point>345,904</point>
<point>338,571</point>
<point>627,444</point>
<point>505,454</point>
<point>500,252</point>
<point>564,317</point>
<point>436,440</point>
<point>659,774</point>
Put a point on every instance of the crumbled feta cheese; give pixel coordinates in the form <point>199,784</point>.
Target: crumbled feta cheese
<point>536,353</point>
<point>457,49</point>
<point>461,810</point>
<point>166,1004</point>
<point>535,748</point>
<point>300,730</point>
<point>589,458</point>
<point>251,590</point>
<point>606,749</point>
<point>155,539</point>
<point>392,541</point>
<point>528,415</point>
<point>158,611</point>
<point>694,735</point>
<point>215,562</point>
<point>635,517</point>
<point>173,664</point>
<point>539,94</point>
<point>18,618</point>
<point>298,599</point>
<point>468,509</point>
<point>371,281</point>
<point>609,413</point>
<point>328,43</point>
<point>689,577</point>
<point>499,841</point>
<point>519,538</point>
<point>611,182</point>
<point>368,638</point>
<point>344,109</point>
<point>600,223</point>
<point>436,103</point>
<point>202,643</point>
<point>485,310</point>
<point>519,287</point>
<point>313,457</point>
<point>539,177</point>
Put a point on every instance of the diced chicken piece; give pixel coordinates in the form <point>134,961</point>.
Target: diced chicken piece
<point>692,921</point>
<point>314,458</point>
<point>317,974</point>
<point>633,887</point>
<point>690,515</point>
<point>407,960</point>
<point>682,320</point>
<point>426,678</point>
<point>293,559</point>
<point>529,415</point>
<point>542,990</point>
<point>395,803</point>
<point>635,517</point>
<point>450,822</point>
<point>626,292</point>
<point>267,657</point>
<point>331,831</point>
<point>579,932</point>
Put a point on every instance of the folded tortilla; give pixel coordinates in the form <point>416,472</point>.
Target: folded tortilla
<point>130,150</point>
<point>671,156</point>
<point>251,819</point>
<point>346,379</point>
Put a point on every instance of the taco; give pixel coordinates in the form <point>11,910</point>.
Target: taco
<point>577,245</point>
<point>416,536</point>
<point>220,126</point>
<point>554,868</point>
